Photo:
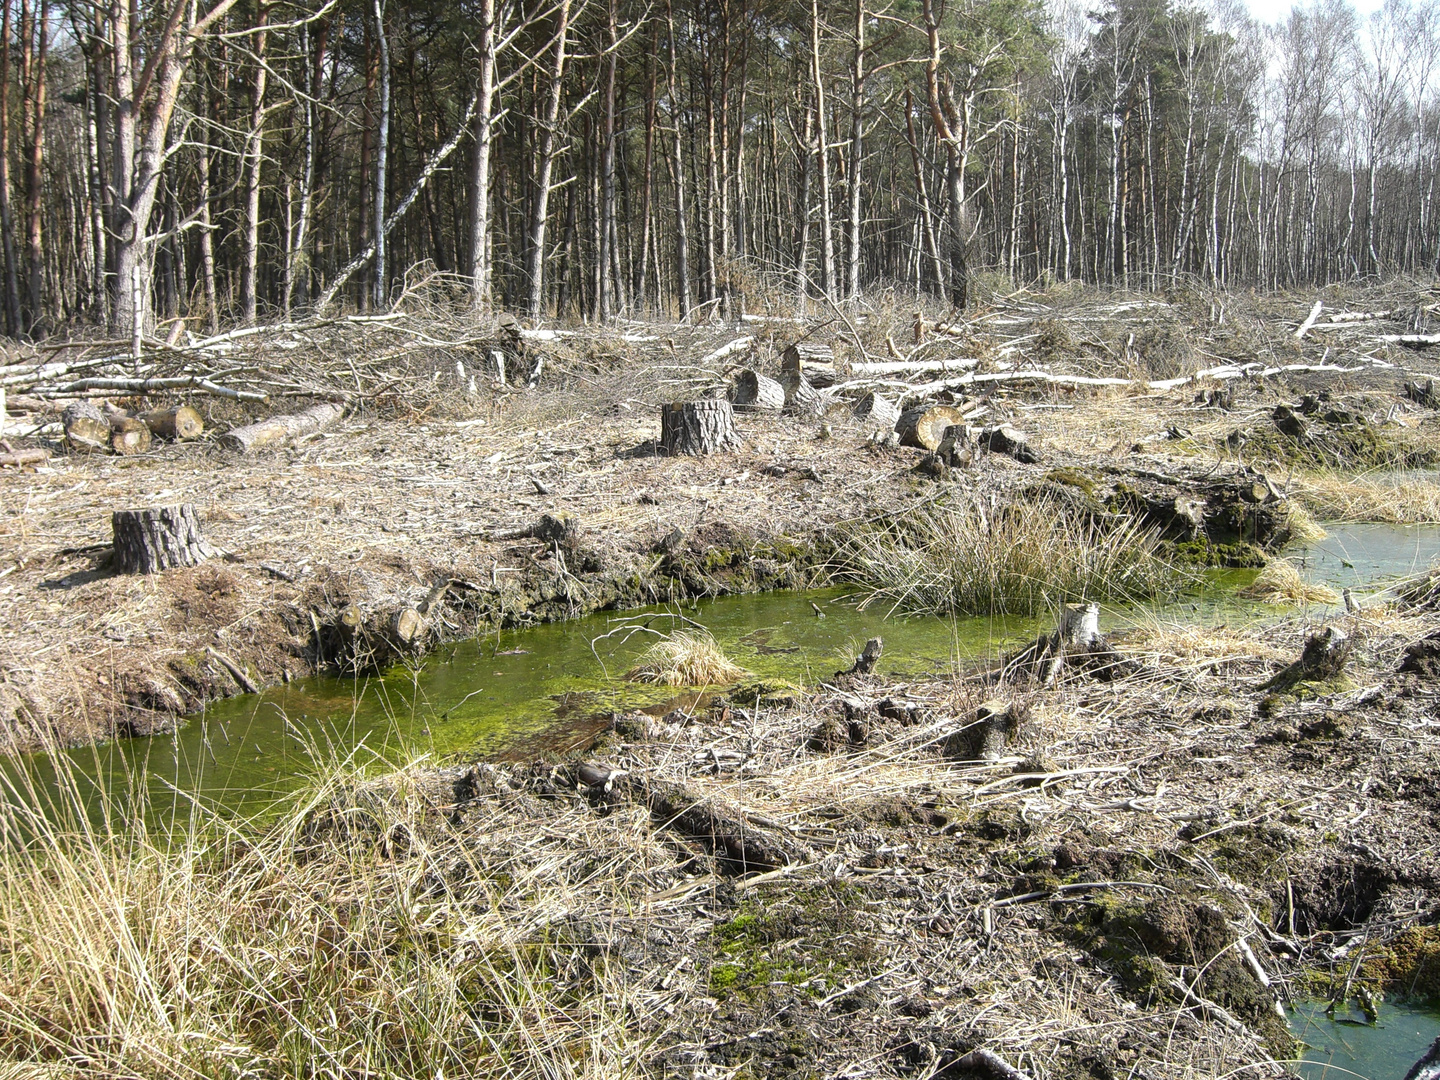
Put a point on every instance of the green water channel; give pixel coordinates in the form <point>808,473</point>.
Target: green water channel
<point>518,693</point>
<point>1346,1046</point>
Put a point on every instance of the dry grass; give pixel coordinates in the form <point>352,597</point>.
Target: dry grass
<point>1399,500</point>
<point>1303,528</point>
<point>971,559</point>
<point>686,658</point>
<point>360,934</point>
<point>1282,583</point>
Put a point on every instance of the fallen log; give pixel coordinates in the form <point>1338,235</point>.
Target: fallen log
<point>738,847</point>
<point>160,538</point>
<point>1428,1067</point>
<point>1414,341</point>
<point>86,427</point>
<point>756,392</point>
<point>1007,440</point>
<point>908,367</point>
<point>726,350</point>
<point>277,430</point>
<point>697,428</point>
<point>182,422</point>
<point>1309,321</point>
<point>925,426</point>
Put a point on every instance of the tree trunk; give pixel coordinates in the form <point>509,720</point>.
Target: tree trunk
<point>480,162</point>
<point>545,154</point>
<point>7,230</point>
<point>698,428</point>
<point>148,541</point>
<point>254,159</point>
<point>382,164</point>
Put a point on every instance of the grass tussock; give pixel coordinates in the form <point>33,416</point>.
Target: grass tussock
<point>1397,500</point>
<point>1282,583</point>
<point>686,658</point>
<point>360,934</point>
<point>1303,528</point>
<point>1017,559</point>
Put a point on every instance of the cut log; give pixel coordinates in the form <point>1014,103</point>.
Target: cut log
<point>128,435</point>
<point>24,457</point>
<point>925,426</point>
<point>161,538</point>
<point>86,427</point>
<point>183,422</point>
<point>957,446</point>
<point>802,399</point>
<point>814,361</point>
<point>751,390</point>
<point>407,628</point>
<point>1309,320</point>
<point>1006,440</point>
<point>277,430</point>
<point>697,427</point>
<point>912,367</point>
<point>877,413</point>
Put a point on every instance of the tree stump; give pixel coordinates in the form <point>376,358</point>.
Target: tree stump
<point>925,427</point>
<point>697,427</point>
<point>183,422</point>
<point>995,726</point>
<point>86,427</point>
<point>754,391</point>
<point>877,413</point>
<point>160,538</point>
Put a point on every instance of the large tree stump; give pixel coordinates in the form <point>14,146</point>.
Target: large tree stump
<point>183,422</point>
<point>281,429</point>
<point>994,728</point>
<point>160,538</point>
<point>698,427</point>
<point>754,391</point>
<point>877,413</point>
<point>86,427</point>
<point>925,426</point>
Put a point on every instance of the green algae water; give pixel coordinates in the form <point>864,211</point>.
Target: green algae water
<point>550,688</point>
<point>1346,1046</point>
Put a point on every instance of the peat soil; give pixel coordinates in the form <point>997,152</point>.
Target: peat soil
<point>514,506</point>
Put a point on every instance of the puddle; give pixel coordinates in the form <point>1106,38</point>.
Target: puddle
<point>1346,1046</point>
<point>1366,555</point>
<point>520,693</point>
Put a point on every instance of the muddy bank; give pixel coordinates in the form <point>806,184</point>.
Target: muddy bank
<point>1141,874</point>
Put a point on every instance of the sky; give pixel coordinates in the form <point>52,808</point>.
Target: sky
<point>1272,11</point>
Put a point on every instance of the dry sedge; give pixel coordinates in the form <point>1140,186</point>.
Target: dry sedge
<point>1282,583</point>
<point>1018,559</point>
<point>358,934</point>
<point>686,658</point>
<point>1400,500</point>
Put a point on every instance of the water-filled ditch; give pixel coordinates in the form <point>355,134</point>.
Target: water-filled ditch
<point>1346,1045</point>
<point>549,687</point>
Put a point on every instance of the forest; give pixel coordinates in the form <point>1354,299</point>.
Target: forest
<point>182,165</point>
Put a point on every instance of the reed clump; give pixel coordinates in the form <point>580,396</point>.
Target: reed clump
<point>1282,583</point>
<point>1403,499</point>
<point>686,658</point>
<point>1014,559</point>
<point>360,933</point>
